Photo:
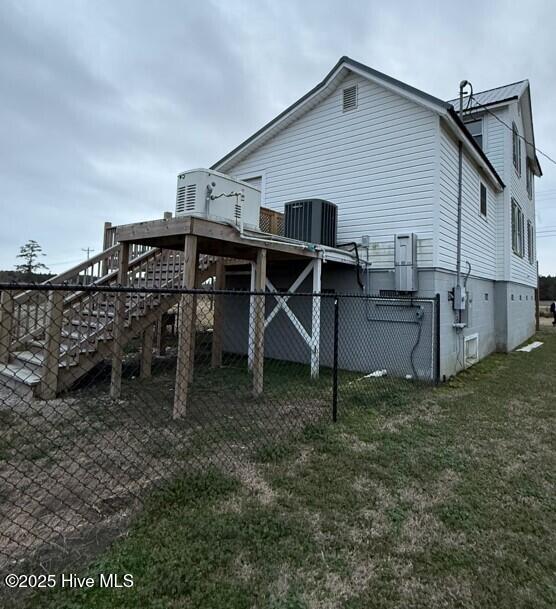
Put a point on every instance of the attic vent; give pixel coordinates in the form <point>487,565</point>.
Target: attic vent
<point>350,98</point>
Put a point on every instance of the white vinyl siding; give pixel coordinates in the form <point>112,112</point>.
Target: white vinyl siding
<point>497,137</point>
<point>376,162</point>
<point>521,269</point>
<point>478,231</point>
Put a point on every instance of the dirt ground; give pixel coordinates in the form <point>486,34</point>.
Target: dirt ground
<point>74,470</point>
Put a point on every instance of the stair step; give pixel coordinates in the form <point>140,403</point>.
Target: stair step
<point>31,359</point>
<point>86,323</point>
<point>98,313</point>
<point>19,373</point>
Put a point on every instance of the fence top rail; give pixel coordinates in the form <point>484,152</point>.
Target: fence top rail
<point>45,287</point>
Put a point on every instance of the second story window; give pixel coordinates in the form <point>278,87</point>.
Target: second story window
<point>518,229</point>
<point>531,242</point>
<point>529,175</point>
<point>516,148</point>
<point>483,200</point>
<point>475,128</point>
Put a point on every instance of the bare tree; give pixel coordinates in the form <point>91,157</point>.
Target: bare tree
<point>30,252</point>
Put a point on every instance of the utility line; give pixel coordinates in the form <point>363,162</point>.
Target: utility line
<point>508,127</point>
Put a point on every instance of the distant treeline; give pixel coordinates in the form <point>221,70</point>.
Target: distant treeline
<point>547,287</point>
<point>14,276</point>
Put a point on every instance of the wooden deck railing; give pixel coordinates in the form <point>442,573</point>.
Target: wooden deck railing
<point>271,221</point>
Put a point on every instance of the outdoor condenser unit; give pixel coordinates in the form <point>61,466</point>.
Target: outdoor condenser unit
<point>405,262</point>
<point>209,194</point>
<point>312,221</point>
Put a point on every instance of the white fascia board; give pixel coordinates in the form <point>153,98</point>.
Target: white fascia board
<point>398,90</point>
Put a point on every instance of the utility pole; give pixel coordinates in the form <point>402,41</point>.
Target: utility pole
<point>88,250</point>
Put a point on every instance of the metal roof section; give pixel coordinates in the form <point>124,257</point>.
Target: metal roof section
<point>519,91</point>
<point>494,96</point>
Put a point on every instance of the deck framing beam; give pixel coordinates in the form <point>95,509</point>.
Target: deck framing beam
<point>312,340</point>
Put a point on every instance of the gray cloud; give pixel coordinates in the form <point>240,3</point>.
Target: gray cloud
<point>102,104</point>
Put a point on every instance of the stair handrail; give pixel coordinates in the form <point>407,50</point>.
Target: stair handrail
<point>74,297</point>
<point>72,272</point>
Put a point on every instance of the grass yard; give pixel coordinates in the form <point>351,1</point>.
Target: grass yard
<point>443,497</point>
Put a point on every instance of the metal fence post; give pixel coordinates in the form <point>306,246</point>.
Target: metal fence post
<point>437,338</point>
<point>335,363</point>
<point>7,308</point>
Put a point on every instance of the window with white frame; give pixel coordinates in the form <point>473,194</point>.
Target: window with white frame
<point>475,128</point>
<point>529,175</point>
<point>516,147</point>
<point>531,242</point>
<point>483,201</point>
<point>518,229</point>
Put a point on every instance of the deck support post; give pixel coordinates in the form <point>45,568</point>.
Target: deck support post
<point>159,335</point>
<point>196,285</point>
<point>315,319</point>
<point>6,324</point>
<point>53,335</point>
<point>258,335</point>
<point>251,321</point>
<point>216,352</point>
<point>186,325</point>
<point>147,342</point>
<point>119,321</point>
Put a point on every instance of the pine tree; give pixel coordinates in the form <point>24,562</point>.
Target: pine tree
<point>30,252</point>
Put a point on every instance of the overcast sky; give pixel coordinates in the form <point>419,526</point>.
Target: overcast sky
<point>102,103</point>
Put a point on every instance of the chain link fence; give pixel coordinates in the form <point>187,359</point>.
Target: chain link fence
<point>108,393</point>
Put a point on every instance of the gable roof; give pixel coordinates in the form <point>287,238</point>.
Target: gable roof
<point>329,83</point>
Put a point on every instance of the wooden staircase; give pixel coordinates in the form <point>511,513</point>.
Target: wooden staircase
<point>49,339</point>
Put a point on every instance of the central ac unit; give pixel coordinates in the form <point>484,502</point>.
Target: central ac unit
<point>312,221</point>
<point>209,194</point>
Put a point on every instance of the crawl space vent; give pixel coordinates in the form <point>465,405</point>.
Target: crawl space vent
<point>471,349</point>
<point>350,98</point>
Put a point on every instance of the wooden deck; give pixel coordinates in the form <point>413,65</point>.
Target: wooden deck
<point>213,238</point>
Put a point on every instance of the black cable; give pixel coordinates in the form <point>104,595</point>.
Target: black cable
<point>418,340</point>
<point>355,246</point>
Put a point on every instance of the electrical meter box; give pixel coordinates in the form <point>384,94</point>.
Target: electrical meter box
<point>405,262</point>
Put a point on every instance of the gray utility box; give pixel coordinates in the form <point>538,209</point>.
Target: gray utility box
<point>312,221</point>
<point>405,262</point>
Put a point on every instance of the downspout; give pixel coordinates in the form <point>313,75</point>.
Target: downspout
<point>457,293</point>
<point>458,290</point>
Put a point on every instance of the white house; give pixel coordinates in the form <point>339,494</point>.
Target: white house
<point>388,155</point>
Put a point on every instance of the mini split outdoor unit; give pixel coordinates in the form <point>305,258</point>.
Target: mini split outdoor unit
<point>209,194</point>
<point>312,221</point>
